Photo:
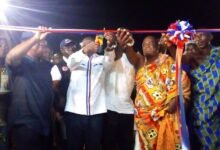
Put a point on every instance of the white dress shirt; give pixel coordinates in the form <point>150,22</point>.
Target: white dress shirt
<point>86,92</point>
<point>119,86</point>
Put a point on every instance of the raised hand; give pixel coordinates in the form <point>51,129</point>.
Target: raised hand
<point>111,38</point>
<point>41,33</point>
<point>124,38</point>
<point>164,41</point>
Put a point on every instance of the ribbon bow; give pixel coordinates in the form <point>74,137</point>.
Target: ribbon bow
<point>180,32</point>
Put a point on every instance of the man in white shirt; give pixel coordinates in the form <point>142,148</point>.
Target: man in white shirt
<point>86,103</point>
<point>61,78</point>
<point>61,74</point>
<point>119,120</point>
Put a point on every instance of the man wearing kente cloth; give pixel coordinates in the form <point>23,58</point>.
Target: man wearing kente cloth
<point>156,115</point>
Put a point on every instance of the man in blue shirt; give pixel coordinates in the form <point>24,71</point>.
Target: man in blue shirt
<point>32,95</point>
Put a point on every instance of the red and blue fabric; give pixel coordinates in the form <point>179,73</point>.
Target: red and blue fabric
<point>88,86</point>
<point>179,33</point>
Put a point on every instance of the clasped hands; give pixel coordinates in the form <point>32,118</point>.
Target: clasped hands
<point>121,39</point>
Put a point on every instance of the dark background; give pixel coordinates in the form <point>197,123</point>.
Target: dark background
<point>111,14</point>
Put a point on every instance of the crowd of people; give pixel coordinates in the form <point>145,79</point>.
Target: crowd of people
<point>82,100</point>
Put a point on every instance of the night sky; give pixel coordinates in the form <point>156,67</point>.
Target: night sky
<point>111,14</point>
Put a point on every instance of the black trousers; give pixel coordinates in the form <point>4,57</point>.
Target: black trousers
<point>118,131</point>
<point>25,138</point>
<point>83,131</point>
